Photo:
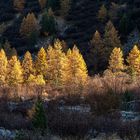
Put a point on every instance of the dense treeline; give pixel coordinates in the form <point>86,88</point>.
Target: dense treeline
<point>52,66</point>
<point>59,67</point>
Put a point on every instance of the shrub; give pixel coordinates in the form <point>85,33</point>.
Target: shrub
<point>38,117</point>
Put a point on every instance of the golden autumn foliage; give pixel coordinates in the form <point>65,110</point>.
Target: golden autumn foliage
<point>77,70</point>
<point>59,67</point>
<point>54,67</point>
<point>29,25</point>
<point>3,67</point>
<point>14,72</point>
<point>116,62</point>
<point>57,64</point>
<point>36,80</point>
<point>41,62</point>
<point>134,60</point>
<point>28,66</point>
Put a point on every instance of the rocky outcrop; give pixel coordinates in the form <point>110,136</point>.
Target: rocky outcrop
<point>7,134</point>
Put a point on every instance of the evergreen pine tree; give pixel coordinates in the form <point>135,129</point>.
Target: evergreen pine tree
<point>124,24</point>
<point>38,117</point>
<point>97,52</point>
<point>48,25</point>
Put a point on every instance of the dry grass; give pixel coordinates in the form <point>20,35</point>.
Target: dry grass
<point>97,85</point>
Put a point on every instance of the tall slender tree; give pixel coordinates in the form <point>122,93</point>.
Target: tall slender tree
<point>29,25</point>
<point>57,64</point>
<point>116,62</point>
<point>134,60</point>
<point>77,70</point>
<point>41,63</point>
<point>111,39</point>
<point>48,25</point>
<point>28,66</point>
<point>97,52</point>
<point>3,67</point>
<point>14,72</point>
<point>102,13</point>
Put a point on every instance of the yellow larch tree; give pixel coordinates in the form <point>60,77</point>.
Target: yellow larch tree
<point>36,80</point>
<point>14,72</point>
<point>134,60</point>
<point>29,25</point>
<point>57,64</point>
<point>3,67</point>
<point>27,66</point>
<point>41,63</point>
<point>77,70</point>
<point>116,62</point>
